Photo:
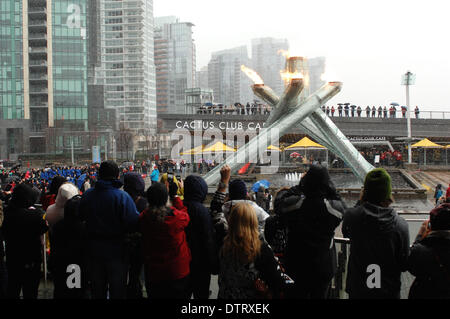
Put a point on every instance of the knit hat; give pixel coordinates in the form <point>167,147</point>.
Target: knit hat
<point>237,189</point>
<point>108,171</point>
<point>134,184</point>
<point>157,195</point>
<point>440,217</point>
<point>377,186</point>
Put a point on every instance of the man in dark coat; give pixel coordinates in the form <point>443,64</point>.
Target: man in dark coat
<point>379,242</point>
<point>429,260</point>
<point>110,214</point>
<point>310,251</point>
<point>200,237</point>
<point>22,229</point>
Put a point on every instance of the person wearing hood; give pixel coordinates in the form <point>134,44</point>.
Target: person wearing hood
<point>200,237</point>
<point>438,193</point>
<point>55,212</point>
<point>110,214</point>
<point>312,216</point>
<point>134,185</point>
<point>429,259</point>
<point>68,242</point>
<point>154,176</point>
<point>379,242</point>
<point>22,229</point>
<point>164,246</point>
<point>238,194</point>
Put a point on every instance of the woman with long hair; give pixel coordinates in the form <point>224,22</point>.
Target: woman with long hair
<point>245,258</point>
<point>164,246</point>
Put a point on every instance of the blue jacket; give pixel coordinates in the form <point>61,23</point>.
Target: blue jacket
<point>110,214</point>
<point>155,175</point>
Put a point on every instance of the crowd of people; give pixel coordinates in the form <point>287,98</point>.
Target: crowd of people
<point>236,109</point>
<point>347,110</point>
<point>164,239</point>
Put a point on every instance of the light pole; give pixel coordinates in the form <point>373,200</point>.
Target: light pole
<point>407,80</point>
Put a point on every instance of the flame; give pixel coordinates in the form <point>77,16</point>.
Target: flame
<point>329,76</point>
<point>252,75</point>
<point>288,76</point>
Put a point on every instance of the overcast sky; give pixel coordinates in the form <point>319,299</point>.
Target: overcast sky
<point>367,44</point>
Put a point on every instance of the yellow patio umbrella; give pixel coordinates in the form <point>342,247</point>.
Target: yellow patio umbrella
<point>426,143</point>
<point>218,147</point>
<point>194,151</point>
<point>273,148</point>
<point>305,143</point>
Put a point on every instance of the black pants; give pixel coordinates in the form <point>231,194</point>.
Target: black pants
<point>25,278</point>
<point>199,284</point>
<point>108,275</point>
<point>173,289</point>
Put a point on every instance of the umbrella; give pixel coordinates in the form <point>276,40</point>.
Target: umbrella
<point>295,154</point>
<point>208,104</point>
<point>395,104</point>
<point>265,183</point>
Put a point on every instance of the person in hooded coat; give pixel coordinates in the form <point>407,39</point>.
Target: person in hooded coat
<point>165,249</point>
<point>134,185</point>
<point>110,215</point>
<point>310,254</point>
<point>200,237</point>
<point>68,242</point>
<point>22,229</point>
<point>429,259</point>
<point>55,212</point>
<point>379,240</point>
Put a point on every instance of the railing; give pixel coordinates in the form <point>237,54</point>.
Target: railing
<point>435,115</point>
<point>37,63</point>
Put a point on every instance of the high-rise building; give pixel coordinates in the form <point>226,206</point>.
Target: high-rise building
<point>44,72</point>
<point>127,70</point>
<point>175,62</point>
<point>229,83</point>
<point>202,78</point>
<point>268,60</point>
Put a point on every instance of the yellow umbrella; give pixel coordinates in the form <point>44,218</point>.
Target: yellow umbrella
<point>273,148</point>
<point>304,143</point>
<point>195,150</point>
<point>426,143</point>
<point>219,147</point>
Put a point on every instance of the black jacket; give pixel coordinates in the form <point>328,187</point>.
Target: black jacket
<point>378,237</point>
<point>200,231</point>
<point>429,262</point>
<point>22,229</point>
<point>310,251</point>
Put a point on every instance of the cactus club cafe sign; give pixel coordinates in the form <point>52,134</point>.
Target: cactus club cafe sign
<point>225,125</point>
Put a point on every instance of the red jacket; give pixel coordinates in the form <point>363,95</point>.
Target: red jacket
<point>166,252</point>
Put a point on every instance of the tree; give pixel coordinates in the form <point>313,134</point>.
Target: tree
<point>125,140</point>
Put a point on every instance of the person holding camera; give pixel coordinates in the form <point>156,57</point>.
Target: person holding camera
<point>429,259</point>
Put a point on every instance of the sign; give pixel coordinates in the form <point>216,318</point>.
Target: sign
<point>96,154</point>
<point>225,125</point>
<point>377,159</point>
<point>366,138</point>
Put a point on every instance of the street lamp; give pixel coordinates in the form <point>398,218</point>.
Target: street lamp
<point>407,80</point>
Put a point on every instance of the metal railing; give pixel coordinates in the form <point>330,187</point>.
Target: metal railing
<point>434,115</point>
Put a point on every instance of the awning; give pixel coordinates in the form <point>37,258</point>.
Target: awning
<point>426,143</point>
<point>273,148</point>
<point>195,150</point>
<point>304,143</point>
<point>219,147</point>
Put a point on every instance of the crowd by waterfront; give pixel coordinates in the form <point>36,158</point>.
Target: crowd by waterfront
<point>347,110</point>
<point>260,247</point>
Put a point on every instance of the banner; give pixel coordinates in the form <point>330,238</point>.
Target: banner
<point>96,154</point>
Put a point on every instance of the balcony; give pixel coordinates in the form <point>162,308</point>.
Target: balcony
<point>38,90</point>
<point>38,104</point>
<point>37,49</point>
<point>37,63</point>
<point>37,23</point>
<point>37,36</point>
<point>38,77</point>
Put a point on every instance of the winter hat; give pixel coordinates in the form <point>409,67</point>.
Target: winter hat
<point>377,186</point>
<point>55,212</point>
<point>134,184</point>
<point>24,195</point>
<point>195,189</point>
<point>440,217</point>
<point>237,189</point>
<point>317,182</point>
<point>108,171</point>
<point>157,195</point>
